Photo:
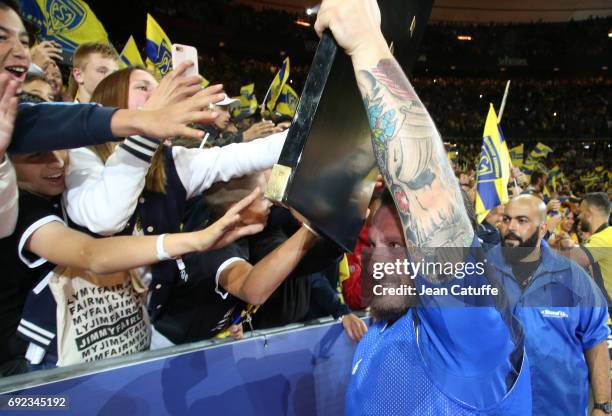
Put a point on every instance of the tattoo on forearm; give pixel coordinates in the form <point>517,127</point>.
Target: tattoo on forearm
<point>412,159</point>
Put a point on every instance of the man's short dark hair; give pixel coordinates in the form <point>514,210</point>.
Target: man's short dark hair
<point>11,4</point>
<point>535,177</point>
<point>599,201</point>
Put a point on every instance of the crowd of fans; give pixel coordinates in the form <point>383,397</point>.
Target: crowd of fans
<point>543,107</point>
<point>524,40</point>
<point>216,264</point>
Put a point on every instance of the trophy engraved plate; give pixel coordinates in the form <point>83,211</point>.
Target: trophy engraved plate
<point>277,184</point>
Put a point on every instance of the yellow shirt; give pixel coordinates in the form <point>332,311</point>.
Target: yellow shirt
<point>600,247</point>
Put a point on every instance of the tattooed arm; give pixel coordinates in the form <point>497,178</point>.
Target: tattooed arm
<point>407,145</point>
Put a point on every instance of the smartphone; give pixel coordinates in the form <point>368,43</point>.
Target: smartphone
<point>181,53</point>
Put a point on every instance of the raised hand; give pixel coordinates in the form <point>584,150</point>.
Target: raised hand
<point>355,25</point>
<point>46,51</point>
<point>230,227</point>
<point>173,120</point>
<point>174,88</point>
<point>262,129</point>
<point>408,148</point>
<point>8,111</point>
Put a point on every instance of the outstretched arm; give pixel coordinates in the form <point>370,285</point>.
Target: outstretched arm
<point>407,145</point>
<point>112,254</point>
<point>255,284</point>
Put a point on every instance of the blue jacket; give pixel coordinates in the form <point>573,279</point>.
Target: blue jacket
<point>52,126</point>
<point>563,314</point>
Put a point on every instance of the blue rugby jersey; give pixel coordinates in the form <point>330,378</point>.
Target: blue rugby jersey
<point>390,377</point>
<point>452,355</point>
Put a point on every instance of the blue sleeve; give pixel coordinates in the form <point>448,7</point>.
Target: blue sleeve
<point>54,126</point>
<point>593,326</point>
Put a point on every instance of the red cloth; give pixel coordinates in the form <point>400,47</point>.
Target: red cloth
<point>351,287</point>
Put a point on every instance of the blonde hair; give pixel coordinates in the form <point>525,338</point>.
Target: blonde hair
<point>113,91</point>
<point>80,59</point>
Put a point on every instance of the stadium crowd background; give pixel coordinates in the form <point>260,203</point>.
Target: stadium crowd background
<point>560,71</point>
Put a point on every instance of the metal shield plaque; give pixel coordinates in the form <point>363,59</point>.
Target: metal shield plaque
<point>327,170</point>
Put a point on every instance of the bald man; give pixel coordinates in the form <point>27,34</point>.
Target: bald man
<point>562,311</point>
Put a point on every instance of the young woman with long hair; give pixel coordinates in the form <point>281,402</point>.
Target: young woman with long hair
<point>141,186</point>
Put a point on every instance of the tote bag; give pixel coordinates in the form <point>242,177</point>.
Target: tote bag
<point>99,316</point>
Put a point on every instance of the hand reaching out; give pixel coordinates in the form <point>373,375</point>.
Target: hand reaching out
<point>175,87</point>
<point>262,129</point>
<point>8,111</point>
<point>230,227</point>
<point>173,120</point>
<point>355,328</point>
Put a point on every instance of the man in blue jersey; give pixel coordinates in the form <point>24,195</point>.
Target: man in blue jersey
<point>563,312</point>
<point>446,357</point>
<point>453,359</point>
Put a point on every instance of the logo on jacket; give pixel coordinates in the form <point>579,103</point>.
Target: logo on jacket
<point>547,313</point>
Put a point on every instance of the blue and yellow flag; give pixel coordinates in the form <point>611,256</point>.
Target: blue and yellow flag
<point>159,47</point>
<point>516,155</point>
<point>277,85</point>
<point>452,151</point>
<point>492,182</point>
<point>287,102</point>
<point>248,102</point>
<point>540,151</point>
<point>130,56</point>
<point>67,22</point>
<point>554,177</point>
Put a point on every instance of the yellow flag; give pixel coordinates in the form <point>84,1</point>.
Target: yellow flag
<point>248,102</point>
<point>277,85</point>
<point>540,151</point>
<point>287,101</point>
<point>68,22</point>
<point>516,155</point>
<point>130,55</point>
<point>492,184</point>
<point>159,55</point>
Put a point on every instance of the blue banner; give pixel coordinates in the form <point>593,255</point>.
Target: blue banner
<point>298,372</point>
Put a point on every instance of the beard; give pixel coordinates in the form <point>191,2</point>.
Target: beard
<point>388,313</point>
<point>585,227</point>
<point>514,254</point>
<point>390,308</point>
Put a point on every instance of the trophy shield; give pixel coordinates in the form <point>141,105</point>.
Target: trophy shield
<point>327,170</point>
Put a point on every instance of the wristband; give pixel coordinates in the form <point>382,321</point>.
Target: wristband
<point>161,253</point>
<point>309,228</point>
